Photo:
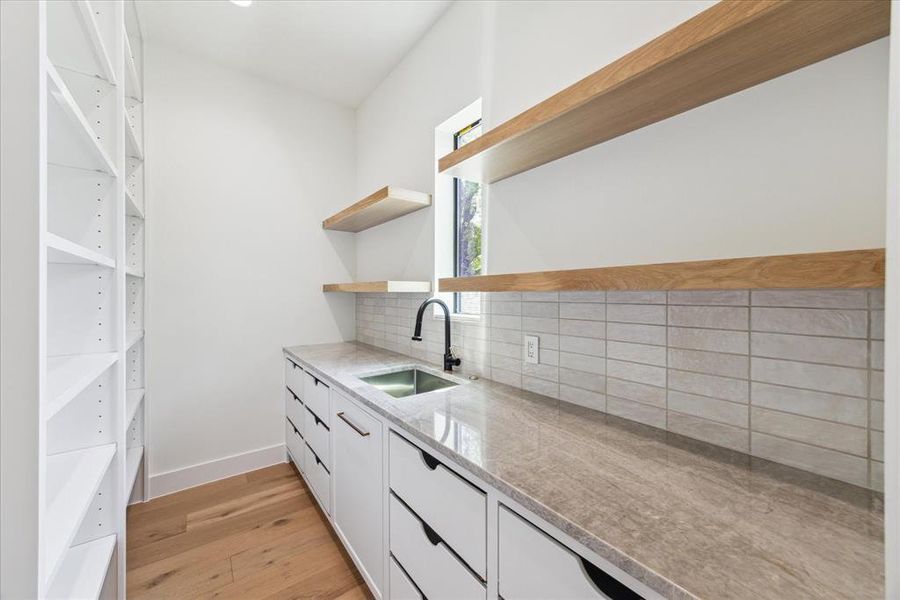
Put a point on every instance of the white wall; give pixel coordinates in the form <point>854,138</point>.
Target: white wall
<point>241,174</point>
<point>793,165</point>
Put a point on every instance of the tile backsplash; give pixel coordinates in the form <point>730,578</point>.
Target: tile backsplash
<point>793,376</point>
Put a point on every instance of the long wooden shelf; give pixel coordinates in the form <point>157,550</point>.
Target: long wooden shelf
<point>386,204</point>
<point>379,286</point>
<point>848,269</point>
<point>729,47</point>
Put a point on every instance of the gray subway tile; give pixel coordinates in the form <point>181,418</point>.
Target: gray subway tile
<point>540,296</point>
<point>876,440</point>
<point>649,314</point>
<point>876,355</point>
<point>510,336</point>
<point>641,353</point>
<point>540,325</point>
<point>876,475</point>
<point>876,298</point>
<point>639,392</point>
<point>711,297</point>
<point>585,381</point>
<point>877,328</point>
<point>721,411</point>
<point>810,298</point>
<point>506,322</point>
<point>505,296</point>
<point>836,351</point>
<point>582,397</point>
<point>710,317</point>
<point>636,411</point>
<point>876,385</point>
<point>830,463</point>
<point>809,321</point>
<point>719,434</point>
<point>594,329</point>
<point>636,297</point>
<point>547,341</point>
<point>712,363</point>
<point>809,403</point>
<point>582,345</point>
<point>505,349</point>
<point>641,334</point>
<point>588,311</point>
<point>540,309</point>
<point>876,415</point>
<point>541,371</point>
<point>648,374</point>
<point>725,388</point>
<point>506,363</point>
<point>540,386</point>
<point>582,362</point>
<point>508,377</point>
<point>506,308</point>
<point>836,436</point>
<point>586,296</point>
<point>713,340</point>
<point>824,378</point>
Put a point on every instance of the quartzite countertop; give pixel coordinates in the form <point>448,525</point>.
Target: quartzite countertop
<point>684,517</point>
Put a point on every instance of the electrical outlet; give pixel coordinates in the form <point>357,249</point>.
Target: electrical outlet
<point>532,349</point>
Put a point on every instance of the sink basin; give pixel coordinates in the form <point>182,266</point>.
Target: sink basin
<point>408,382</point>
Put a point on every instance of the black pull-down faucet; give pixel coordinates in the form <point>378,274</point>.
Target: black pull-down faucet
<point>450,361</point>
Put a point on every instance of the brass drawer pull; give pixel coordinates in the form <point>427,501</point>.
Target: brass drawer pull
<point>352,425</point>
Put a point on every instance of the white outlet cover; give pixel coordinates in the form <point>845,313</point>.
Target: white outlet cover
<point>532,349</point>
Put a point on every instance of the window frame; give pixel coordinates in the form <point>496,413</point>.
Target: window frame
<point>457,182</point>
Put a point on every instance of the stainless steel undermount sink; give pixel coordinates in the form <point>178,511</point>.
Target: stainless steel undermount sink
<point>408,382</point>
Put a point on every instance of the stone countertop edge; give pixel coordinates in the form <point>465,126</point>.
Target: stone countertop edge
<point>621,559</point>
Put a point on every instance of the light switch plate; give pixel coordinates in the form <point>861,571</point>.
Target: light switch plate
<point>532,349</point>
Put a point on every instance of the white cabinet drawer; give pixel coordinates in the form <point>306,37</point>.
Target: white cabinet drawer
<point>316,398</point>
<point>317,435</point>
<point>318,478</point>
<point>534,565</point>
<point>294,442</point>
<point>453,507</point>
<point>428,560</point>
<point>402,587</point>
<point>293,408</point>
<point>293,377</point>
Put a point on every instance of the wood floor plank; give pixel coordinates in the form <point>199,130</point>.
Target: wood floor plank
<point>258,535</point>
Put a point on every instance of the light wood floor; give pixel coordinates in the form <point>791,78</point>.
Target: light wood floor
<point>257,535</point>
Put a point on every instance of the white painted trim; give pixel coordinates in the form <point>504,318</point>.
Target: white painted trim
<point>176,480</point>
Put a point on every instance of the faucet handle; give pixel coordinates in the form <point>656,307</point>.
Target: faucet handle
<point>417,338</point>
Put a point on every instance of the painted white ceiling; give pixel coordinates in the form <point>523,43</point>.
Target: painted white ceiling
<point>339,50</point>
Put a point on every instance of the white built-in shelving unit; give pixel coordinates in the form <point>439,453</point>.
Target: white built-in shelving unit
<point>93,405</point>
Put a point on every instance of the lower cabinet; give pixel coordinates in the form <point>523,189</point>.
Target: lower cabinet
<point>318,477</point>
<point>533,565</point>
<point>294,441</point>
<point>402,587</point>
<point>358,485</point>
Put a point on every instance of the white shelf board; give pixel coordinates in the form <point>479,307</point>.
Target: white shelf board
<point>133,400</point>
<point>133,463</point>
<point>68,376</point>
<point>132,337</point>
<point>61,250</point>
<point>83,570</point>
<point>134,145</point>
<point>66,102</point>
<point>133,80</point>
<point>93,33</point>
<point>72,481</point>
<point>131,207</point>
<point>132,272</point>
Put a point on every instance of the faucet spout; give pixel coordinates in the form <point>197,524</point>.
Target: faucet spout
<point>450,361</point>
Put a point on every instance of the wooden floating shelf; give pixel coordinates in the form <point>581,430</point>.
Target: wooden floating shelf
<point>727,48</point>
<point>848,269</point>
<point>380,286</point>
<point>386,204</point>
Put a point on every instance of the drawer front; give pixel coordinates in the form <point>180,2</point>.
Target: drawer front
<point>318,478</point>
<point>402,587</point>
<point>293,408</point>
<point>316,397</point>
<point>430,564</point>
<point>454,508</point>
<point>293,377</point>
<point>317,435</point>
<point>294,442</point>
<point>534,565</point>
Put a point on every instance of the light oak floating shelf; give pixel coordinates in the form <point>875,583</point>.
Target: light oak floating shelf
<point>386,204</point>
<point>380,286</point>
<point>849,269</point>
<point>727,48</point>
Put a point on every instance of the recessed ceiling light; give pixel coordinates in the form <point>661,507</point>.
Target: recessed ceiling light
<point>242,3</point>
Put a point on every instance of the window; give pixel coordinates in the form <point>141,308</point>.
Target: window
<point>467,228</point>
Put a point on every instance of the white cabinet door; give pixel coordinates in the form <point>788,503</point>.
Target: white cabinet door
<point>358,487</point>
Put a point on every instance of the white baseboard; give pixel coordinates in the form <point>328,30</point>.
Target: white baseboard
<point>169,482</point>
